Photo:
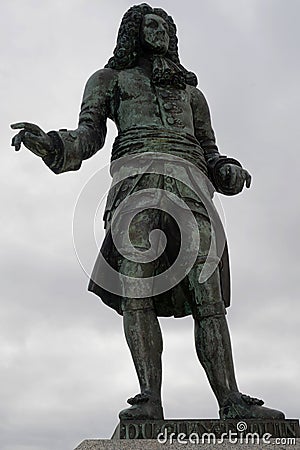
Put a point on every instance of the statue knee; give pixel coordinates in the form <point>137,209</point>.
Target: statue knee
<point>137,304</point>
<point>209,310</point>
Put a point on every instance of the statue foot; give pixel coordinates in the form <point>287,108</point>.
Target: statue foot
<point>240,406</point>
<point>143,407</point>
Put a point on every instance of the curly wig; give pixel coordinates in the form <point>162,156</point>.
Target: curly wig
<point>128,47</point>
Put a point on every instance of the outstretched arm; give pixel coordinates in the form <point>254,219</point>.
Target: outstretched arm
<point>64,150</point>
<point>226,174</point>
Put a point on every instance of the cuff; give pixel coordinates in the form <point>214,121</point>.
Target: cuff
<point>55,159</point>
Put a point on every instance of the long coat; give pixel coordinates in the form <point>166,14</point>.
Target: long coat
<point>149,119</point>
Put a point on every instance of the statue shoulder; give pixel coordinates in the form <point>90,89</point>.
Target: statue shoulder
<point>102,79</point>
<point>197,96</point>
<point>199,103</point>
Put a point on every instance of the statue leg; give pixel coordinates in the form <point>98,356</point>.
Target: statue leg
<point>143,336</point>
<point>141,326</point>
<point>212,340</point>
<point>213,349</point>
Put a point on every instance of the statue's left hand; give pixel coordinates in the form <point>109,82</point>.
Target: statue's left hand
<point>33,137</point>
<point>234,177</point>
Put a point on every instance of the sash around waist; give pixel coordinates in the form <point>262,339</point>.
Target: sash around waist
<point>142,140</point>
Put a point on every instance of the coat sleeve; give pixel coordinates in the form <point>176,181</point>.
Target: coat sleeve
<point>71,147</point>
<point>206,137</point>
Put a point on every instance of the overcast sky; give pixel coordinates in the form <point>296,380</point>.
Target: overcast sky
<point>65,369</point>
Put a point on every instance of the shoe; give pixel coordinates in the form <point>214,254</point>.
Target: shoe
<point>143,408</point>
<point>240,406</point>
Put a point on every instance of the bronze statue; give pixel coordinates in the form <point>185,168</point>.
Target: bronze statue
<point>164,133</point>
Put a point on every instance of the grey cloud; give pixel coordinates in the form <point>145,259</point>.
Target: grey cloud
<point>65,366</point>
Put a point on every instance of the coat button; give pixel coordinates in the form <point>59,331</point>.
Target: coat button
<point>168,106</point>
<point>171,120</point>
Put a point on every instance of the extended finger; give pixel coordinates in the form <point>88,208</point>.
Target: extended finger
<point>27,126</point>
<point>17,140</point>
<point>248,179</point>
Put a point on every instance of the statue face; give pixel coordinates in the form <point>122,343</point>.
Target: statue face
<point>155,34</point>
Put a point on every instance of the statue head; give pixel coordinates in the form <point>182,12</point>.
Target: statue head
<point>149,31</point>
<point>154,34</point>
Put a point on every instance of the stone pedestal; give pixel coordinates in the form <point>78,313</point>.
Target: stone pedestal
<point>207,434</point>
<point>164,429</point>
<point>146,444</point>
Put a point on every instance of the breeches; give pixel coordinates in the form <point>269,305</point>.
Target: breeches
<point>154,244</point>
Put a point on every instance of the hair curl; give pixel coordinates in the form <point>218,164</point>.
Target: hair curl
<point>128,47</point>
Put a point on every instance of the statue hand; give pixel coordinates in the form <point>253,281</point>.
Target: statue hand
<point>33,137</point>
<point>234,177</point>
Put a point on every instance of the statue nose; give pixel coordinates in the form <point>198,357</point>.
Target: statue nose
<point>161,32</point>
<point>161,29</point>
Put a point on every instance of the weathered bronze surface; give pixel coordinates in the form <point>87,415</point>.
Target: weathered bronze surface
<point>165,167</point>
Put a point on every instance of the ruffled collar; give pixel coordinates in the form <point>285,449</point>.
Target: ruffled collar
<point>167,73</point>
